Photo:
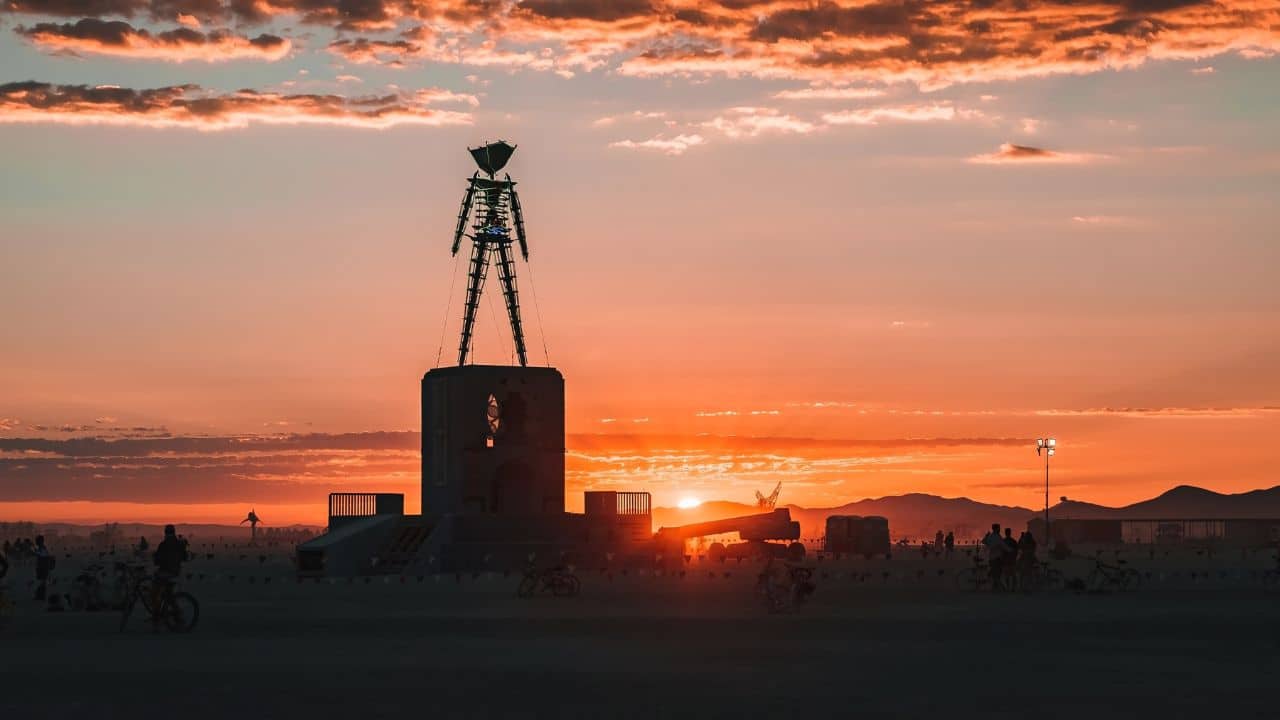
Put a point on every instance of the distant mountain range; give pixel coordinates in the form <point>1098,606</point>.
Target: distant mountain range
<point>1182,502</point>
<point>918,516</point>
<point>914,516</point>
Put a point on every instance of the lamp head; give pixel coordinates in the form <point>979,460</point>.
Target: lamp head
<point>493,156</point>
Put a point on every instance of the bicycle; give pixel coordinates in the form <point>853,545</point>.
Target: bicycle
<point>788,595</point>
<point>1043,576</point>
<point>556,581</point>
<point>179,611</point>
<point>1106,577</point>
<point>978,577</point>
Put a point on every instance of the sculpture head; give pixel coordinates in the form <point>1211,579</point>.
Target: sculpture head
<point>493,156</point>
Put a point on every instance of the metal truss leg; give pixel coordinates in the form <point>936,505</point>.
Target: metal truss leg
<point>507,274</point>
<point>475,285</point>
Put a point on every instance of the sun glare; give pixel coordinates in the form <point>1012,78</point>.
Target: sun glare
<point>688,502</point>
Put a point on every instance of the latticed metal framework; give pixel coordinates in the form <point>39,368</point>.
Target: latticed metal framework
<point>489,209</point>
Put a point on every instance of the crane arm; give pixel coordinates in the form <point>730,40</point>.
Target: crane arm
<point>463,213</point>
<point>517,215</point>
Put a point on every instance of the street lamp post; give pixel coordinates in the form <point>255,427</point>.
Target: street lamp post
<point>1046,447</point>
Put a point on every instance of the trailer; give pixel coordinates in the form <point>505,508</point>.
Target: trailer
<point>857,535</point>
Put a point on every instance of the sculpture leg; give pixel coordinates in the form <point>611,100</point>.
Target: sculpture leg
<point>507,274</point>
<point>475,285</point>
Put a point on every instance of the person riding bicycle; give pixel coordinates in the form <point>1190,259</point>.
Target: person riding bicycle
<point>168,558</point>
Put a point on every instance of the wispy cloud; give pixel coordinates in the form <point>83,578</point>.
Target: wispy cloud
<point>897,113</point>
<point>1011,154</point>
<point>829,92</point>
<point>1165,412</point>
<point>667,145</point>
<point>188,106</point>
<point>748,122</point>
<point>101,37</point>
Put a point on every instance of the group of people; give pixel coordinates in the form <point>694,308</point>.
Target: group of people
<point>1009,558</point>
<point>24,550</point>
<point>168,558</point>
<point>944,544</point>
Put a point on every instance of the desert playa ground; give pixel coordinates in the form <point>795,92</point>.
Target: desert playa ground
<point>878,639</point>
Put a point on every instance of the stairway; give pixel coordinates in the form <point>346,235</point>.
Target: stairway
<point>403,545</point>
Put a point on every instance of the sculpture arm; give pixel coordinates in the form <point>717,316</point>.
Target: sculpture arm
<point>517,215</point>
<point>463,213</point>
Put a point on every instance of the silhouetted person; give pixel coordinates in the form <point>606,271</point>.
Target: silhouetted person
<point>143,545</point>
<point>996,551</point>
<point>1026,554</point>
<point>1011,554</point>
<point>170,553</point>
<point>4,566</point>
<point>937,542</point>
<point>949,542</point>
<point>168,557</point>
<point>44,566</point>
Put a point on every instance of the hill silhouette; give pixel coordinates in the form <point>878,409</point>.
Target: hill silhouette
<point>913,516</point>
<point>918,516</point>
<point>1183,501</point>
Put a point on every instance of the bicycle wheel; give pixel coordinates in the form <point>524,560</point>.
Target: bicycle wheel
<point>1053,580</point>
<point>527,586</point>
<point>562,585</point>
<point>181,612</point>
<point>1094,583</point>
<point>971,579</point>
<point>1130,579</point>
<point>143,594</point>
<point>127,610</point>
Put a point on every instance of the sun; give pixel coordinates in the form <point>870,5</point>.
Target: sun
<point>688,502</point>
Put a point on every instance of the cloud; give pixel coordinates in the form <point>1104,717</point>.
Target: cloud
<point>1166,412</point>
<point>7,424</point>
<point>669,146</point>
<point>638,115</point>
<point>900,113</point>
<point>188,106</point>
<point>303,468</point>
<point>829,92</point>
<point>122,39</point>
<point>747,122</point>
<point>932,43</point>
<point>1010,154</point>
<point>1104,220</point>
<point>1207,70</point>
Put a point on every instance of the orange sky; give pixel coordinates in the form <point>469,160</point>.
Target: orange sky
<point>861,248</point>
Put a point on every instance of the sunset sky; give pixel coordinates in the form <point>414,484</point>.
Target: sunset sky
<point>862,248</point>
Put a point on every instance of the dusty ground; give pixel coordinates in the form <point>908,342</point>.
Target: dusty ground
<point>869,644</point>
